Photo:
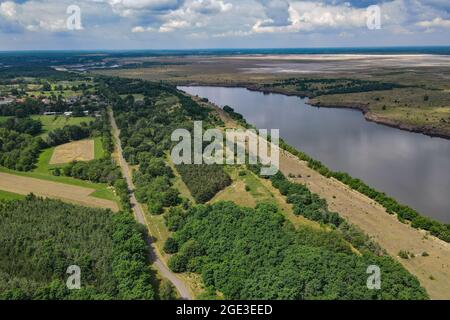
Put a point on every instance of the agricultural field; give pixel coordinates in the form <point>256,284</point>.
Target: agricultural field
<point>83,150</point>
<point>74,194</point>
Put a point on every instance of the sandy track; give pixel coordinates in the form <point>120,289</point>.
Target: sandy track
<point>49,189</point>
<point>73,151</point>
<point>433,271</point>
<point>139,215</point>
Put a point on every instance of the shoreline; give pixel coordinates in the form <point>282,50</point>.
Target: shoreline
<point>368,116</point>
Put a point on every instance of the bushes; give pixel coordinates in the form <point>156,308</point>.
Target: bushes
<point>250,253</point>
<point>171,246</point>
<point>305,203</point>
<point>204,181</point>
<point>99,171</point>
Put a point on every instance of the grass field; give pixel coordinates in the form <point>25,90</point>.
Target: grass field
<point>3,119</point>
<point>5,195</point>
<point>50,123</point>
<point>99,152</point>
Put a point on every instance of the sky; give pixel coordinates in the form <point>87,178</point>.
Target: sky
<point>190,24</point>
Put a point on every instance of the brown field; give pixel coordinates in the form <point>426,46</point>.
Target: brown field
<point>65,192</point>
<point>73,151</point>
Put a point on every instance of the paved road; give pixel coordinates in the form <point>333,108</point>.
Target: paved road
<point>140,217</point>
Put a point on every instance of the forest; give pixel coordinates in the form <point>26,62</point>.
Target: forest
<point>42,238</point>
<point>203,180</point>
<point>247,253</point>
<point>19,151</point>
<point>146,129</point>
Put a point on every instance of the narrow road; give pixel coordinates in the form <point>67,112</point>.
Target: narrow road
<point>140,216</point>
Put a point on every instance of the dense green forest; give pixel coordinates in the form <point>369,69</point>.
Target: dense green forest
<point>203,180</point>
<point>256,254</point>
<point>42,238</point>
<point>23,125</point>
<point>19,151</point>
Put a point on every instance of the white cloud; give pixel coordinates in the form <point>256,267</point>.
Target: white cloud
<point>209,6</point>
<point>436,22</point>
<point>227,22</point>
<point>308,16</point>
<point>8,9</point>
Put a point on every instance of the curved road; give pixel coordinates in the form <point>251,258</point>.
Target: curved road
<point>140,217</point>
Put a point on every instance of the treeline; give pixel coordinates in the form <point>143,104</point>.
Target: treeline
<point>318,87</point>
<point>98,171</point>
<point>403,212</point>
<point>68,133</point>
<point>204,181</point>
<point>19,151</point>
<point>23,125</point>
<point>23,109</point>
<point>250,253</point>
<point>42,238</point>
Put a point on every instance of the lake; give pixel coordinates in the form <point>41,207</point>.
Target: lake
<point>411,167</point>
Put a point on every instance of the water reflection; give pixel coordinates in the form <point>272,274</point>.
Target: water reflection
<point>411,167</point>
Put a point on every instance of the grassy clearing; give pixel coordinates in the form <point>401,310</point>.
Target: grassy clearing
<point>249,190</point>
<point>99,152</point>
<point>5,195</point>
<point>3,119</point>
<point>50,123</point>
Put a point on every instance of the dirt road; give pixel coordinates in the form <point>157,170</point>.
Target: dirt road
<point>140,217</point>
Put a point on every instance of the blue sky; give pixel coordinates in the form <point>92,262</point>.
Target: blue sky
<point>185,24</point>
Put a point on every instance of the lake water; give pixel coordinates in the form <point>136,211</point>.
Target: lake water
<point>411,167</point>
